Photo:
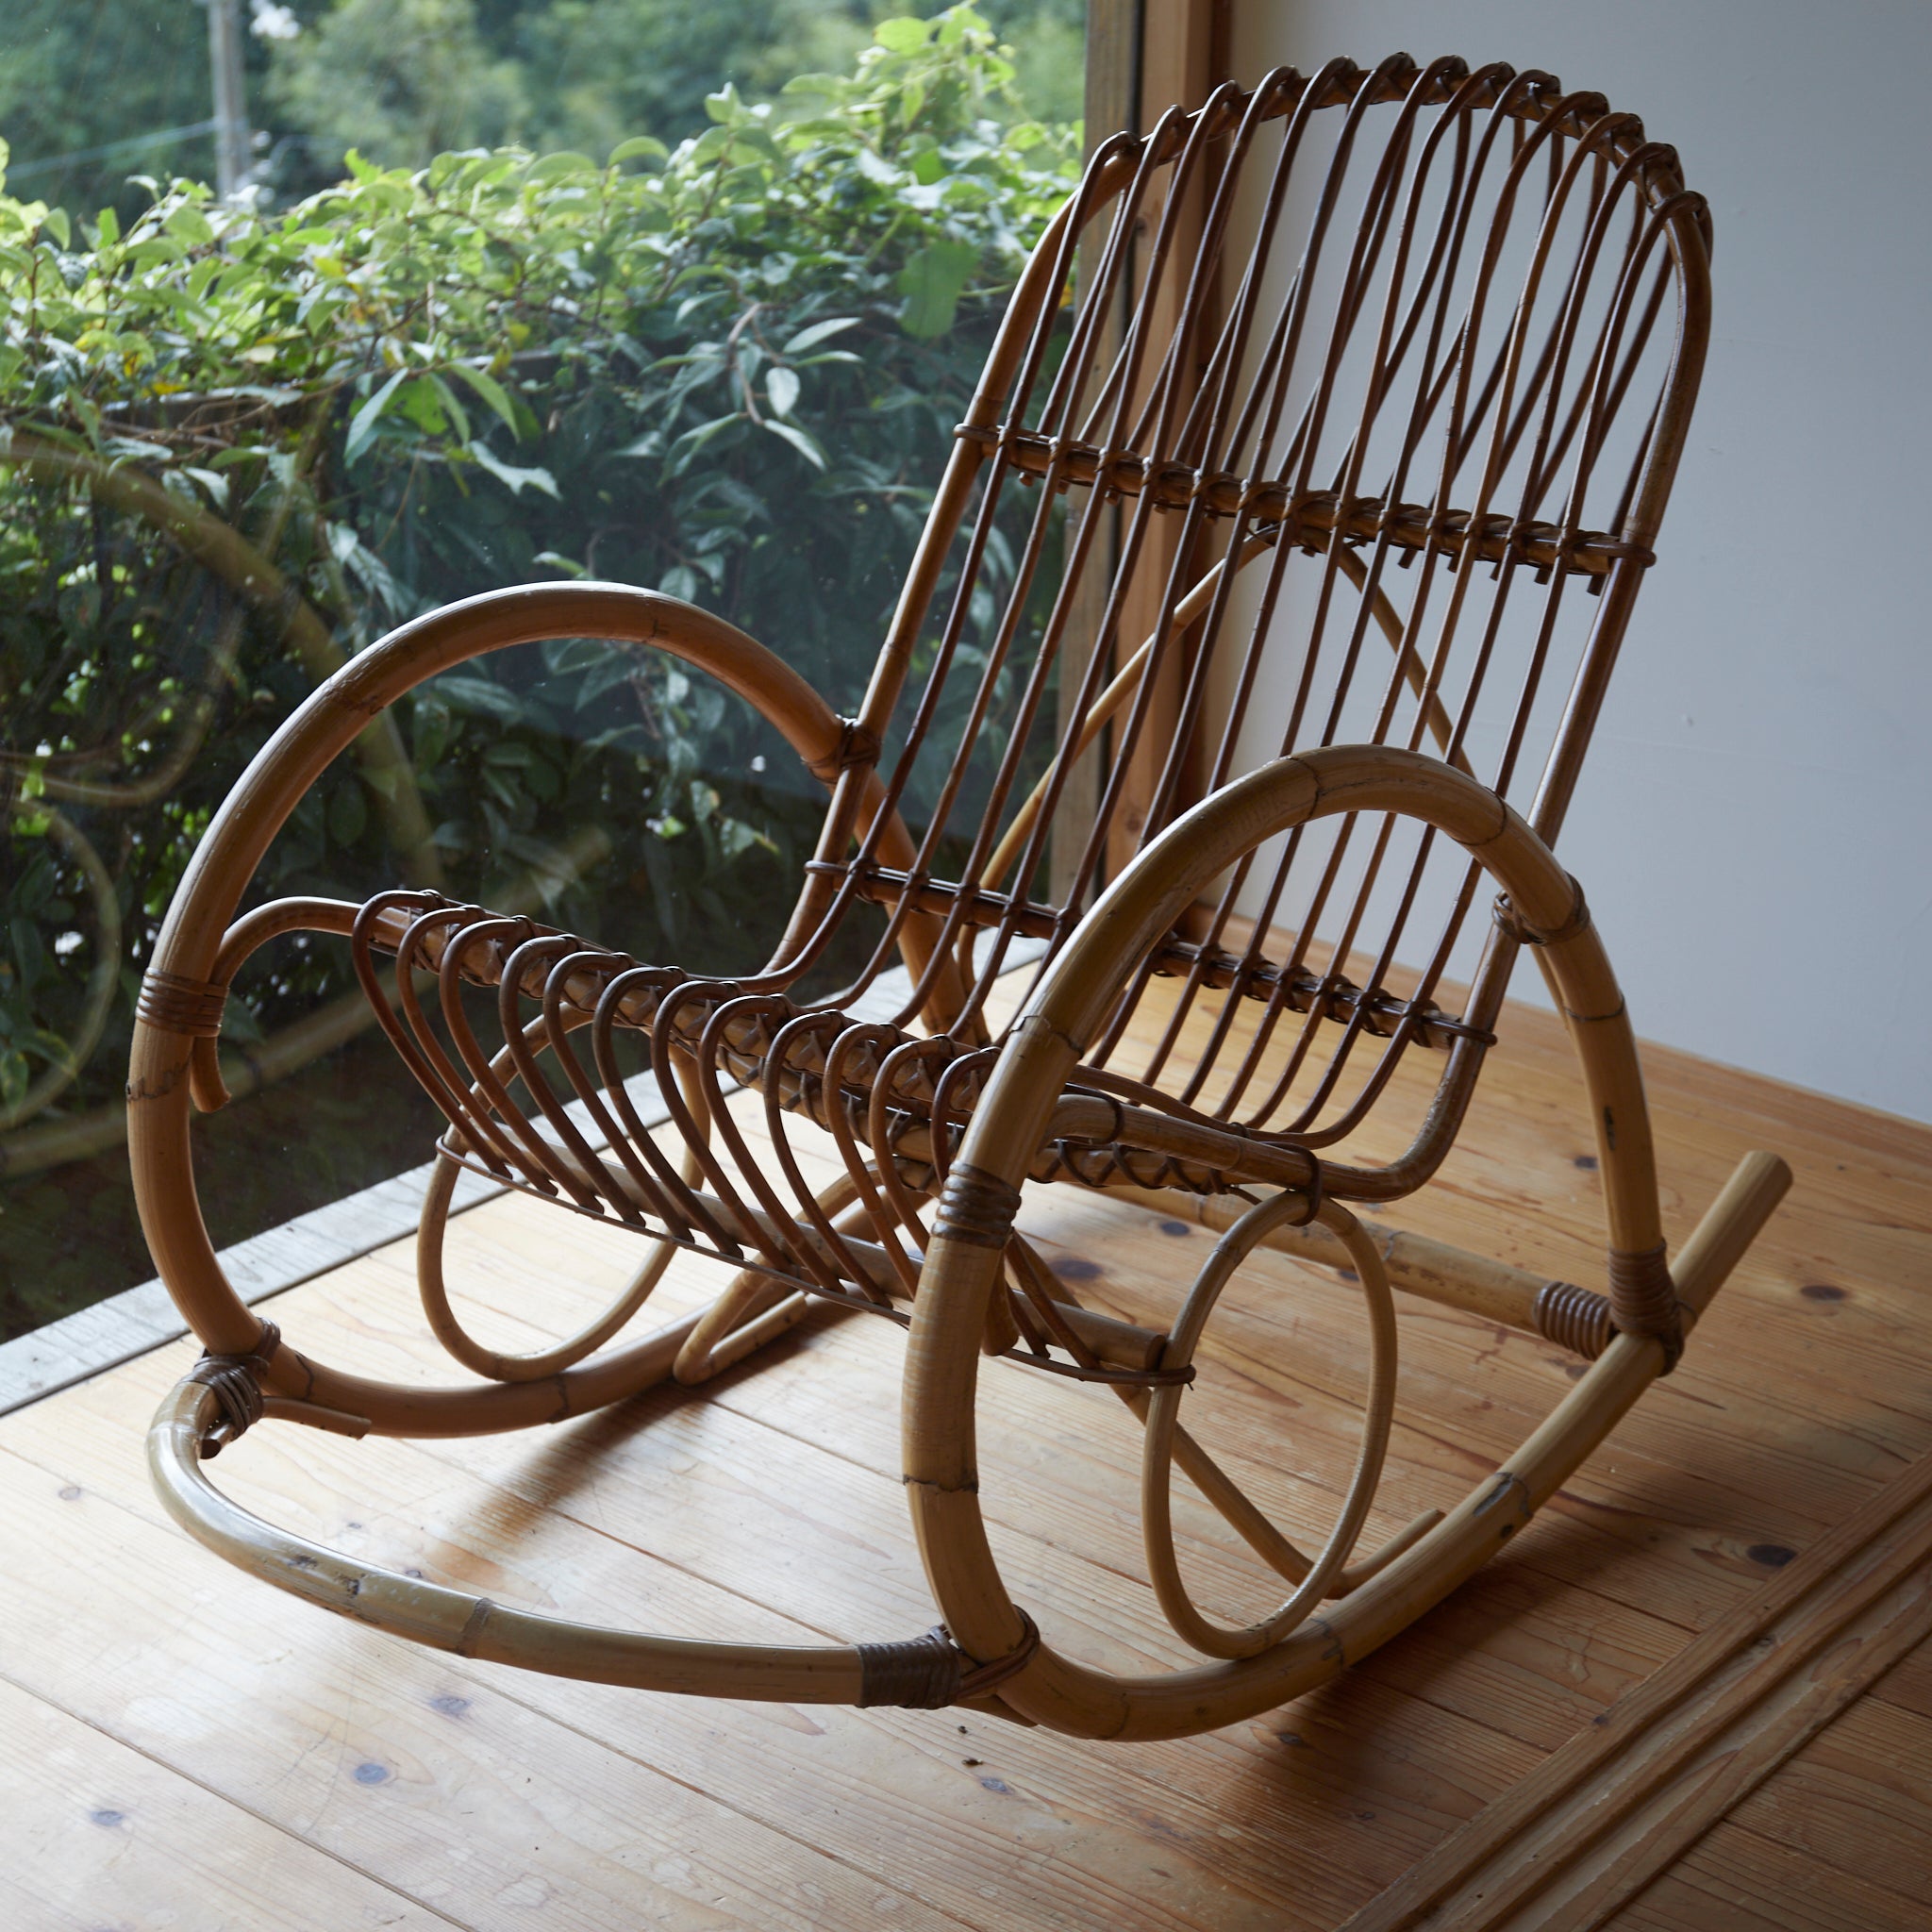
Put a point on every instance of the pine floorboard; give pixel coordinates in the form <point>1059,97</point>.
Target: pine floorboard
<point>183,1746</point>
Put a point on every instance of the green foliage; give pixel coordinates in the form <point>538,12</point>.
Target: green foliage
<point>400,80</point>
<point>594,71</point>
<point>729,371</point>
<point>87,87</point>
<point>79,76</point>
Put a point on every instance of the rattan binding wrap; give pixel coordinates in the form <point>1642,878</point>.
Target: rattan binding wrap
<point>1575,1318</point>
<point>857,746</point>
<point>178,1005</point>
<point>1643,1299</point>
<point>929,1672</point>
<point>918,1674</point>
<point>977,1206</point>
<point>1510,921</point>
<point>1310,519</point>
<point>236,1380</point>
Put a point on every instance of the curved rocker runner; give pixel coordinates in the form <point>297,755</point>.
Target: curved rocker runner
<point>1212,707</point>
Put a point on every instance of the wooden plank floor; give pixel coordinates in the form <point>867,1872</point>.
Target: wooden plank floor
<point>182,1746</point>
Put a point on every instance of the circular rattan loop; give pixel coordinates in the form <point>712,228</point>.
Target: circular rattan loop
<point>432,1230</point>
<point>1163,1415</point>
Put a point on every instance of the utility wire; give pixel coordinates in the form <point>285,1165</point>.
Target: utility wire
<point>132,144</point>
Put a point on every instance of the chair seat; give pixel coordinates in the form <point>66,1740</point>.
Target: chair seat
<point>895,1105</point>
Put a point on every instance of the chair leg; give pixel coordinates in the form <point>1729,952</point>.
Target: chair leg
<point>754,1308</point>
<point>753,1311</point>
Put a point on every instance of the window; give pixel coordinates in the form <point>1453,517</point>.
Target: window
<point>445,295</point>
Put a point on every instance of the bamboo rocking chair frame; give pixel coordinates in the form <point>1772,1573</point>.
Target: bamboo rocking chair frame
<point>1182,500</point>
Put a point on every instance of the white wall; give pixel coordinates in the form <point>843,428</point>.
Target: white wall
<point>1754,824</point>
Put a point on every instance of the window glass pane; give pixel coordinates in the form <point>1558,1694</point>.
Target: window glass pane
<point>315,317</point>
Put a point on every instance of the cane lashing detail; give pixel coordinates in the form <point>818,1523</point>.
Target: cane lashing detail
<point>179,1004</point>
<point>235,1383</point>
<point>858,749</point>
<point>1509,922</point>
<point>977,1206</point>
<point>929,1672</point>
<point>919,1674</point>
<point>1644,1298</point>
<point>1575,1318</point>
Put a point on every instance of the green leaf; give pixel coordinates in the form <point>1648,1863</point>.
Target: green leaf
<point>54,222</point>
<point>153,249</point>
<point>781,385</point>
<point>214,483</point>
<point>421,403</point>
<point>932,282</point>
<point>187,223</point>
<point>447,397</point>
<point>747,136</point>
<point>901,35</point>
<point>819,332</point>
<point>736,837</point>
<point>518,480</point>
<point>694,440</point>
<point>491,391</point>
<point>559,167</point>
<point>800,442</point>
<point>639,147</point>
<point>363,424</point>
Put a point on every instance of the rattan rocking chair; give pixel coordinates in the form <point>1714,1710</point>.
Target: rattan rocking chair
<point>1320,548</point>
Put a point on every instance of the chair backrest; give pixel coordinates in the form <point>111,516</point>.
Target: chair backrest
<point>1359,430</point>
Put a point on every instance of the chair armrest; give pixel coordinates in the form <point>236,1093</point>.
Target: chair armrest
<point>332,716</point>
